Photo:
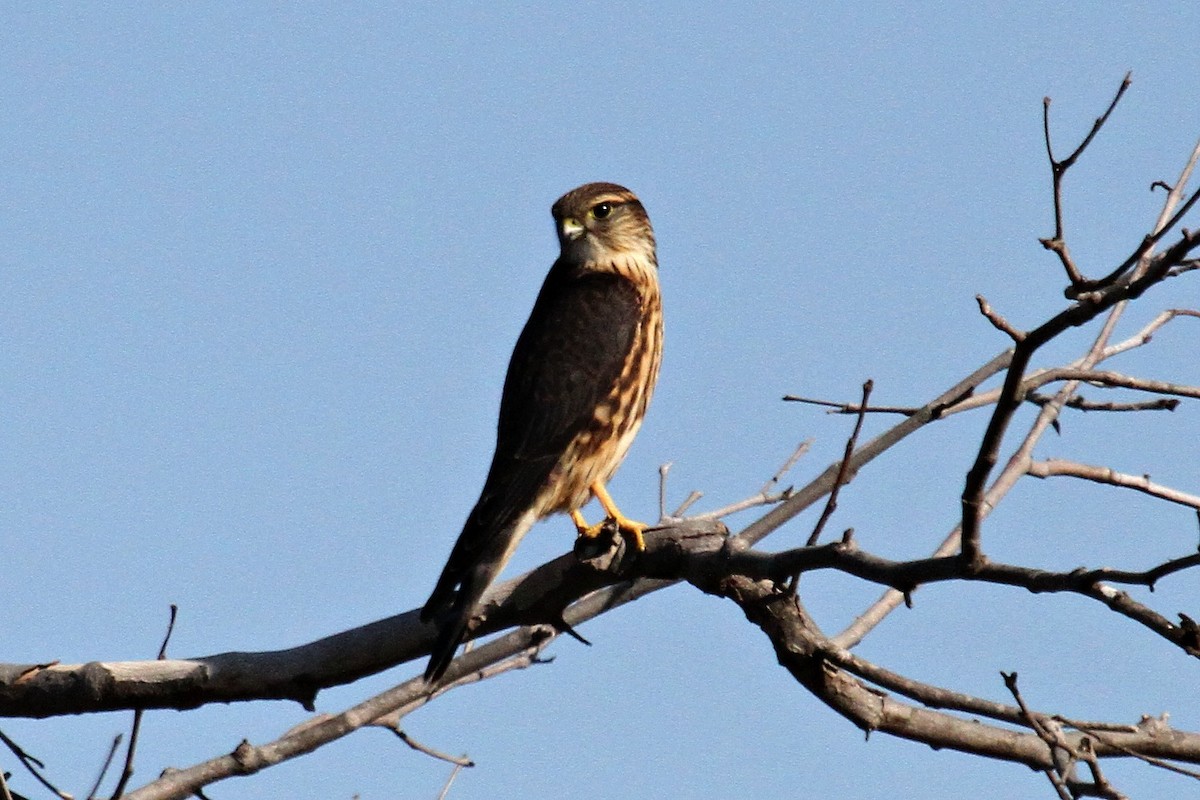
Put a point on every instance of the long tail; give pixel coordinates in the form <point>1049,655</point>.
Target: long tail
<point>478,557</point>
<point>451,634</point>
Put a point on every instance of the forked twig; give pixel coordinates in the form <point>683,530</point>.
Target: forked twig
<point>1058,169</point>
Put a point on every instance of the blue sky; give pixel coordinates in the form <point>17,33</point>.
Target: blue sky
<point>262,267</point>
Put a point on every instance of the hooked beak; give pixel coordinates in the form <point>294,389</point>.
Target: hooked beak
<point>572,228</point>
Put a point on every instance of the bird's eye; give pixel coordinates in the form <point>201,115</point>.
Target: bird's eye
<point>601,210</point>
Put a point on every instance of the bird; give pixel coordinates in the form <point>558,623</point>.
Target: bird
<point>578,383</point>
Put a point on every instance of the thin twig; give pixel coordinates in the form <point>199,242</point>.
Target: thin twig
<point>1103,788</point>
<point>844,474</point>
<point>33,765</point>
<point>754,501</point>
<point>522,659</point>
<point>1054,743</point>
<point>663,469</point>
<point>162,650</point>
<point>997,320</point>
<point>446,789</point>
<point>1145,334</point>
<point>783,470</point>
<point>1137,256</point>
<point>852,408</point>
<point>135,729</point>
<point>687,503</point>
<point>112,752</point>
<point>765,496</point>
<point>461,761</point>
<point>1067,162</point>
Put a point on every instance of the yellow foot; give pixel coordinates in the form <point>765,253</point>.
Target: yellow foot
<point>629,529</point>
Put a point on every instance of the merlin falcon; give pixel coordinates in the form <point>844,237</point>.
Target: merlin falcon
<point>578,384</point>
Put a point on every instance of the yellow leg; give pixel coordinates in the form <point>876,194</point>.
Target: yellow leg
<point>628,528</point>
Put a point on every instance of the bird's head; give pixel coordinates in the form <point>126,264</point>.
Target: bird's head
<point>599,222</point>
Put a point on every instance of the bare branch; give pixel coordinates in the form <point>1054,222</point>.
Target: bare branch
<point>248,759</point>
<point>1106,475</point>
<point>1145,334</point>
<point>1081,404</point>
<point>1110,379</point>
<point>804,497</point>
<point>298,673</point>
<point>953,399</point>
<point>1012,394</point>
<point>1088,306</point>
<point>905,576</point>
<point>800,648</point>
<point>1099,735</point>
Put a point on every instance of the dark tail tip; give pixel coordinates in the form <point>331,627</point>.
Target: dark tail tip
<point>450,635</point>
